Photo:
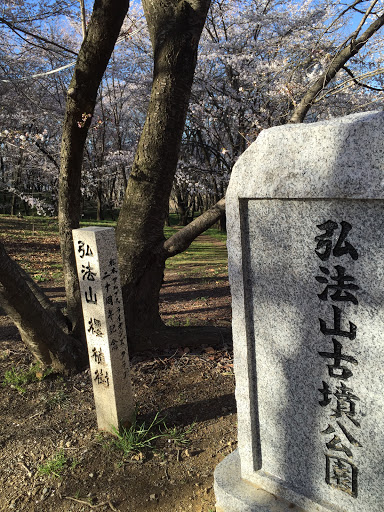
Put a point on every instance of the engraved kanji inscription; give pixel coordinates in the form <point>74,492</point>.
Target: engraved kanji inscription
<point>336,370</point>
<point>84,252</point>
<point>336,330</point>
<point>336,397</point>
<point>325,245</point>
<point>341,474</point>
<point>343,287</point>
<point>87,272</point>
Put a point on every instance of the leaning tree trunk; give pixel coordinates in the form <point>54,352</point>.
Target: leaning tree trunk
<point>175,28</point>
<point>41,326</point>
<point>95,52</point>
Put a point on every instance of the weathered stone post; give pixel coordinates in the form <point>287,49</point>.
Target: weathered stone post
<point>305,218</point>
<point>103,311</point>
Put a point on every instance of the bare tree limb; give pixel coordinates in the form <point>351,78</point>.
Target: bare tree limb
<point>361,84</point>
<point>363,20</point>
<point>338,62</point>
<point>47,154</point>
<point>182,239</point>
<point>16,29</point>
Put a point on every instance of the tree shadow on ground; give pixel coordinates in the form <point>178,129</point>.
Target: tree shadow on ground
<point>202,410</point>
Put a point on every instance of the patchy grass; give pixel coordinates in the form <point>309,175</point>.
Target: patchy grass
<point>100,223</point>
<point>217,234</point>
<point>203,257</point>
<point>41,258</point>
<point>20,378</point>
<point>56,418</point>
<point>143,436</point>
<point>34,243</point>
<point>58,399</point>
<point>57,465</point>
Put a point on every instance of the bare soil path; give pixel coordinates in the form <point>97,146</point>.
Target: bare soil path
<point>192,388</point>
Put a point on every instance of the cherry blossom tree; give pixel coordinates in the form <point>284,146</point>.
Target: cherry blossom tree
<point>262,63</point>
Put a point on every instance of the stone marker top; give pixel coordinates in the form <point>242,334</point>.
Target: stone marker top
<point>340,158</point>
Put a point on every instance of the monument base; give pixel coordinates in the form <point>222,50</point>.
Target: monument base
<point>233,494</point>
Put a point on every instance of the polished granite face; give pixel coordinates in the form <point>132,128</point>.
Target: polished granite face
<point>305,218</point>
<point>96,259</point>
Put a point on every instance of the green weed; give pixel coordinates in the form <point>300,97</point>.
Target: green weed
<point>40,278</point>
<point>4,354</point>
<point>19,379</point>
<point>57,399</point>
<point>141,436</point>
<point>173,322</point>
<point>137,437</point>
<point>74,463</point>
<point>178,434</point>
<point>55,466</point>
<point>181,398</point>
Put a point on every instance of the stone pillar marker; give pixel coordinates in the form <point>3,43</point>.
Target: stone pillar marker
<point>305,221</point>
<point>102,302</point>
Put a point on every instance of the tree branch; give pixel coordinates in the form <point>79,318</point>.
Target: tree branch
<point>181,240</point>
<point>338,62</point>
<point>47,154</point>
<point>17,29</point>
<point>361,84</point>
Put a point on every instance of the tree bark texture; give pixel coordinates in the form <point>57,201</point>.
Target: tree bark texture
<point>175,28</point>
<point>95,52</point>
<point>41,325</point>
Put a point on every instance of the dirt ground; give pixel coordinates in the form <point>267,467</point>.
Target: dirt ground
<point>191,388</point>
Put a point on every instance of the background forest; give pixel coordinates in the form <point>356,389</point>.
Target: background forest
<point>257,59</point>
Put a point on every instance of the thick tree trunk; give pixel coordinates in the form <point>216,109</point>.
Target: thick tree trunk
<point>175,28</point>
<point>13,204</point>
<point>99,201</point>
<point>102,33</point>
<point>41,325</point>
<point>16,183</point>
<point>156,334</point>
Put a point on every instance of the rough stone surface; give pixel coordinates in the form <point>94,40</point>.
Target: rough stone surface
<point>310,408</point>
<point>96,259</point>
<point>238,495</point>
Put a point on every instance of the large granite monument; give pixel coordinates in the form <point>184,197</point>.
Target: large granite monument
<point>305,217</point>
